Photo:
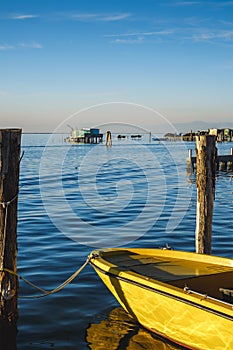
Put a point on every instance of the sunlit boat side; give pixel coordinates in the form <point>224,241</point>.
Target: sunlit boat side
<point>185,297</point>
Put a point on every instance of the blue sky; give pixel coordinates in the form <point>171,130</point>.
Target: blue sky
<point>58,57</point>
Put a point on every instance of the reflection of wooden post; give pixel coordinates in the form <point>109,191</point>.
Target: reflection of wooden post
<point>9,178</point>
<point>189,162</point>
<point>108,139</point>
<point>205,180</point>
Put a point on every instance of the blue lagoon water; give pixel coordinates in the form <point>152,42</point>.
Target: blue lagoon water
<point>75,198</point>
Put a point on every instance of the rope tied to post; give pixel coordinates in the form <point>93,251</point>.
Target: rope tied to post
<point>5,206</point>
<point>8,293</point>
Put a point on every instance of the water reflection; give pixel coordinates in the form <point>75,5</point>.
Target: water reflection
<point>8,333</point>
<point>120,332</point>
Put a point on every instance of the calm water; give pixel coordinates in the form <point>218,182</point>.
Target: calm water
<point>76,198</point>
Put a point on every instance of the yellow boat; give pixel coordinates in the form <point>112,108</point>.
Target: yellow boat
<point>185,297</point>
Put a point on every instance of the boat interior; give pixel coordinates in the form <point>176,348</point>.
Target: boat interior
<point>210,279</point>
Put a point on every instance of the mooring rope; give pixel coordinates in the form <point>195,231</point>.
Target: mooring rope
<point>46,292</point>
<point>5,206</point>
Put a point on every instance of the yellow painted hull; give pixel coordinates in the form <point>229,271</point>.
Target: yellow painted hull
<point>185,317</point>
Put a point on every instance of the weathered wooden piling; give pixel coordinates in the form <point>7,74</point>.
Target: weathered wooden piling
<point>205,179</point>
<point>108,139</point>
<point>9,178</point>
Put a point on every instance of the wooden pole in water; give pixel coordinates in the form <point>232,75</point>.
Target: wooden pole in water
<point>9,179</point>
<point>206,153</point>
<point>108,139</point>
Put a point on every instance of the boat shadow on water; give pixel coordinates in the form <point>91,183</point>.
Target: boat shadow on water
<point>120,332</point>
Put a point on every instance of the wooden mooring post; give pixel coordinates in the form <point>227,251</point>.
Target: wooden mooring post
<point>9,178</point>
<point>108,139</point>
<point>206,153</point>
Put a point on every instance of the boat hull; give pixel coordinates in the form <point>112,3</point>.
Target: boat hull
<point>193,322</point>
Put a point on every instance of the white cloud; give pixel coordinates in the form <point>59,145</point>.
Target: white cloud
<point>30,45</point>
<point>138,40</point>
<point>23,45</point>
<point>23,16</point>
<point>187,3</point>
<point>138,37</point>
<point>224,3</point>
<point>204,3</point>
<point>162,32</point>
<point>5,47</point>
<point>98,17</point>
<point>113,18</point>
<point>226,35</point>
<point>182,34</point>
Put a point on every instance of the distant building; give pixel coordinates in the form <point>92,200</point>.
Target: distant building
<point>85,135</point>
<point>221,134</point>
<point>172,136</point>
<point>190,136</point>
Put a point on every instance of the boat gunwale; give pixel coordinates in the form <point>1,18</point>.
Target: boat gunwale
<point>201,258</point>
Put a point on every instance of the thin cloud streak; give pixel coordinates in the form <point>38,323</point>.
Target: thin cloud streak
<point>209,3</point>
<point>113,18</point>
<point>162,32</point>
<point>98,17</point>
<point>207,36</point>
<point>187,3</point>
<point>31,45</point>
<point>177,34</point>
<point>23,45</point>
<point>6,47</point>
<point>138,40</point>
<point>224,3</point>
<point>22,17</point>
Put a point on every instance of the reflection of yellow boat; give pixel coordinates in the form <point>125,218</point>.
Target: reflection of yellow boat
<point>119,332</point>
<point>185,297</point>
